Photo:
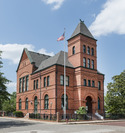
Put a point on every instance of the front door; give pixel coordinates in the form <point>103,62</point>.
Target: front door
<point>89,104</point>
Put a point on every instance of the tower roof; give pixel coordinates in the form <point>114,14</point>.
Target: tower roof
<point>82,29</point>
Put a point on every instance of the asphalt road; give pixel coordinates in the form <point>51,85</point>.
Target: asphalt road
<point>18,126</point>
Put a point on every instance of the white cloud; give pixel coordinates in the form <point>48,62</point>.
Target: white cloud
<point>57,3</point>
<point>111,19</point>
<point>11,87</point>
<point>43,51</point>
<point>12,52</point>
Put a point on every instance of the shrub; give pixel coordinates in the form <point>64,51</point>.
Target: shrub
<point>18,113</point>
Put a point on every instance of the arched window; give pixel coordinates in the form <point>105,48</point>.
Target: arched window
<point>73,50</point>
<point>62,101</point>
<point>26,104</point>
<point>20,106</point>
<point>98,103</point>
<point>35,104</point>
<point>99,85</point>
<point>88,50</point>
<point>92,50</point>
<point>88,63</point>
<point>84,62</point>
<point>92,64</point>
<point>84,49</point>
<point>46,102</point>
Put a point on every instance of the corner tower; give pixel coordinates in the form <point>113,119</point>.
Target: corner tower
<point>88,82</point>
<point>82,48</point>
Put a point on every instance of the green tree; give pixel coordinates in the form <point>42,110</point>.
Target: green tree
<point>115,97</point>
<point>81,110</point>
<point>3,89</point>
<point>10,105</point>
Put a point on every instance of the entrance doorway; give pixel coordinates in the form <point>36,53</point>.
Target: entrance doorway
<point>89,104</point>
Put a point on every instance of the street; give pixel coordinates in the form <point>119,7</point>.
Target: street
<point>9,125</point>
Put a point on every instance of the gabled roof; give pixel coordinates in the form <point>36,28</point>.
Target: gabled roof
<point>58,59</point>
<point>34,57</point>
<point>82,29</point>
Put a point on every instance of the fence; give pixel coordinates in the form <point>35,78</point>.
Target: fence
<point>76,117</point>
<point>52,117</point>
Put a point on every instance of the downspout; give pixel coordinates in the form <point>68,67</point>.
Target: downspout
<point>40,93</point>
<point>56,88</point>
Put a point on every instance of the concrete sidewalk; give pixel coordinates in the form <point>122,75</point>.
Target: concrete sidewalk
<point>69,122</point>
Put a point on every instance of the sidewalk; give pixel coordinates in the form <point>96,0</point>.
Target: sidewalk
<point>74,122</point>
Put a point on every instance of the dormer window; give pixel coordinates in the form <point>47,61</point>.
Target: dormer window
<point>73,50</point>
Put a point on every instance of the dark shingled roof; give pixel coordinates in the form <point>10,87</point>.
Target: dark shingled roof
<point>37,58</point>
<point>34,57</point>
<point>57,59</point>
<point>82,29</point>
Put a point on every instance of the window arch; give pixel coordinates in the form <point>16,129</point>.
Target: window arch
<point>92,50</point>
<point>46,102</point>
<point>84,49</point>
<point>88,50</point>
<point>26,104</point>
<point>62,101</point>
<point>20,104</point>
<point>98,103</point>
<point>73,50</point>
<point>35,104</point>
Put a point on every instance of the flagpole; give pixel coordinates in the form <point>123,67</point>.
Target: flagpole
<point>64,81</point>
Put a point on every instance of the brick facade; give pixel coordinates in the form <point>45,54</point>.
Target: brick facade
<point>77,92</point>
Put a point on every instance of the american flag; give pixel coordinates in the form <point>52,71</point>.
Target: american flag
<point>61,37</point>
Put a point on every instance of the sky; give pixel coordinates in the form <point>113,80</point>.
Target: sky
<point>36,25</point>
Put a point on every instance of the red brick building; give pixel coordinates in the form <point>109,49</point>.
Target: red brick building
<point>40,78</point>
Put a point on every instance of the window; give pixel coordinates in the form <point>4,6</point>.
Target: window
<point>84,82</point>
<point>61,80</point>
<point>84,49</point>
<point>84,62</point>
<point>44,81</point>
<point>27,82</point>
<point>26,104</point>
<point>46,102</point>
<point>93,83</point>
<point>20,85</point>
<point>73,50</point>
<point>35,104</point>
<point>88,63</point>
<point>92,64</point>
<point>89,83</point>
<point>67,80</point>
<point>99,85</point>
<point>23,88</point>
<point>62,101</point>
<point>34,85</point>
<point>98,103</point>
<point>20,104</point>
<point>88,50</point>
<point>37,84</point>
<point>48,81</point>
<point>92,50</point>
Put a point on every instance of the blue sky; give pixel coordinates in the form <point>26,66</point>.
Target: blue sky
<point>36,24</point>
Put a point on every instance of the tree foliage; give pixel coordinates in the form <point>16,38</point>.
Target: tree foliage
<point>3,89</point>
<point>10,105</point>
<point>81,110</point>
<point>115,98</point>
